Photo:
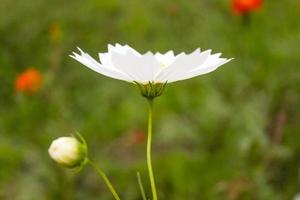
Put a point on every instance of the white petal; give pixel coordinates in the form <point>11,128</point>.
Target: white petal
<point>165,59</point>
<point>140,68</point>
<point>183,63</point>
<point>124,63</point>
<point>105,59</point>
<point>132,50</point>
<point>122,49</point>
<point>91,63</point>
<point>118,48</point>
<point>204,69</point>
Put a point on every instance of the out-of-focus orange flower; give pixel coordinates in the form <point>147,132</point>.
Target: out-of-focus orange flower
<point>29,81</point>
<point>241,7</point>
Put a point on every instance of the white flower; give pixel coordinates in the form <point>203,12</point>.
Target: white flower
<point>68,152</point>
<point>125,63</point>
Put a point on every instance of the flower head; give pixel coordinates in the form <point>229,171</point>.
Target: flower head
<point>240,7</point>
<point>151,69</point>
<point>29,81</point>
<point>68,152</point>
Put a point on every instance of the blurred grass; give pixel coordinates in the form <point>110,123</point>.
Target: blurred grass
<point>232,134</point>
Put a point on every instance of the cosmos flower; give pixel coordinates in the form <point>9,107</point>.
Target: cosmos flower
<point>125,63</point>
<point>241,7</point>
<point>29,81</point>
<point>151,71</point>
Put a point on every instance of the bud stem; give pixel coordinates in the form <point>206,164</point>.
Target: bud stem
<point>149,164</point>
<point>106,180</point>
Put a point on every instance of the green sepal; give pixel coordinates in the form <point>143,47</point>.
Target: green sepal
<point>151,90</point>
<point>83,150</point>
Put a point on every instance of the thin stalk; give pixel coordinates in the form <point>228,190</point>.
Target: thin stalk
<point>149,140</point>
<point>141,186</point>
<point>246,19</point>
<point>106,180</point>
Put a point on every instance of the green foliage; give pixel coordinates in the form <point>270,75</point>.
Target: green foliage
<point>232,134</point>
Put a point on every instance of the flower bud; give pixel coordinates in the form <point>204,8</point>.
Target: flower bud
<point>68,152</point>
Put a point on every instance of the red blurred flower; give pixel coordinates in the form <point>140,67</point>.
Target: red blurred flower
<point>240,7</point>
<point>29,81</point>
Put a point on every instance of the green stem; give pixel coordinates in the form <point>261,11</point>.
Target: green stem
<point>149,165</point>
<point>141,186</point>
<point>106,180</point>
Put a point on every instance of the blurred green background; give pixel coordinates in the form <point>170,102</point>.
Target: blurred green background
<point>229,135</point>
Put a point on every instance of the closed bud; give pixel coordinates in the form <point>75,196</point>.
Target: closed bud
<point>68,152</point>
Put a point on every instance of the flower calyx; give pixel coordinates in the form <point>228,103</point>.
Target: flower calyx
<point>151,89</point>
